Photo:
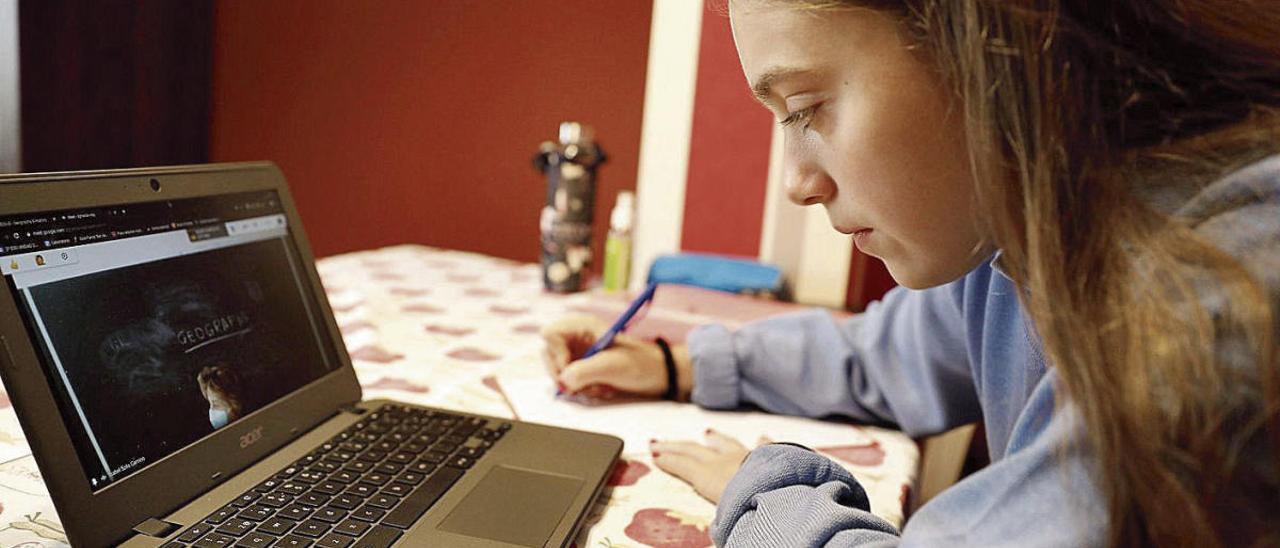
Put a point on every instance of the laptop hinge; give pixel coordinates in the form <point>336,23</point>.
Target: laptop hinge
<point>155,528</point>
<point>352,409</point>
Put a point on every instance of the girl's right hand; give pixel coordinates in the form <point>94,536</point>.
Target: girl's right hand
<point>629,366</point>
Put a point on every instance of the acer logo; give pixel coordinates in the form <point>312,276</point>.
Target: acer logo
<point>251,438</point>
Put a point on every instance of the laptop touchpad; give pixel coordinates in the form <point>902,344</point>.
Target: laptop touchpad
<point>513,505</point>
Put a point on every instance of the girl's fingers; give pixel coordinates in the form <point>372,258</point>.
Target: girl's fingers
<point>689,449</point>
<point>601,368</point>
<point>599,391</point>
<point>560,349</point>
<point>556,353</point>
<point>551,361</point>
<point>684,467</point>
<point>706,469</point>
<point>722,442</point>
<point>564,337</point>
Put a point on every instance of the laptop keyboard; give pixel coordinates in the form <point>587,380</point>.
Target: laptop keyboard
<point>362,488</point>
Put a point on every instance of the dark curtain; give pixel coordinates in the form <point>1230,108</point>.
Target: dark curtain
<point>109,84</point>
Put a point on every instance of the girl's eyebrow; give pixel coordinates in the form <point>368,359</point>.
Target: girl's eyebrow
<point>763,87</point>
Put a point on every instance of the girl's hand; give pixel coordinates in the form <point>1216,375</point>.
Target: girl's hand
<point>708,468</point>
<point>628,366</point>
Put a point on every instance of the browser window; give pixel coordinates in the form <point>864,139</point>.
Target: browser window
<point>160,323</point>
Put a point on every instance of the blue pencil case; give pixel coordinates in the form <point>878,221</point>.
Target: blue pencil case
<point>720,273</point>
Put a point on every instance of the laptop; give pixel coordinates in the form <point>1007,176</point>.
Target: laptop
<point>174,362</point>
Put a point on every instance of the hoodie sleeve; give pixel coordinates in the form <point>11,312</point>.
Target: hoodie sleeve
<point>902,362</point>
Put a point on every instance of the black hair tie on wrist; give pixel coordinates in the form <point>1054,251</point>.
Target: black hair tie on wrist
<point>673,389</point>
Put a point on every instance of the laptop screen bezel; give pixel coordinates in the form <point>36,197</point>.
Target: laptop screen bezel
<point>108,516</point>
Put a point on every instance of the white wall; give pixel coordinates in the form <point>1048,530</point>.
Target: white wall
<point>665,131</point>
<point>10,129</point>
<point>800,240</point>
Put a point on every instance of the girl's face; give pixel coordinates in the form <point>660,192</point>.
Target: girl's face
<point>869,134</point>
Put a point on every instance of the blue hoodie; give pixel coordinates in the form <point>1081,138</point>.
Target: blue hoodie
<point>928,361</point>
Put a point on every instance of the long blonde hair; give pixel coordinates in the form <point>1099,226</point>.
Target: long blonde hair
<point>1076,113</point>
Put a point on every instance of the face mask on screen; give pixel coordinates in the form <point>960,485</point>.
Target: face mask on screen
<point>217,417</point>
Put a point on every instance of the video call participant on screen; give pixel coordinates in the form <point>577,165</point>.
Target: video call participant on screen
<point>222,387</point>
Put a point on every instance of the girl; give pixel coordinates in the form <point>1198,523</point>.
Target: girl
<point>1082,204</point>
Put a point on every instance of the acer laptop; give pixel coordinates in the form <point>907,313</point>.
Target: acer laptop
<point>176,367</point>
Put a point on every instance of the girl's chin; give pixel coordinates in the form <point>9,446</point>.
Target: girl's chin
<point>914,276</point>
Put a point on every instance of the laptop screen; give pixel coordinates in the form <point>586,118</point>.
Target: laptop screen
<point>162,322</point>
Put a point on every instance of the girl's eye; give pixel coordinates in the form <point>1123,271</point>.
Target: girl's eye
<point>804,117</point>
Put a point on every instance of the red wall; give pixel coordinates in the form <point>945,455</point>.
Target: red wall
<point>728,151</point>
<point>415,122</point>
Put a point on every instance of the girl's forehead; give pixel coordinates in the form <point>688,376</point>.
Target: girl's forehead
<point>780,24</point>
<point>770,34</point>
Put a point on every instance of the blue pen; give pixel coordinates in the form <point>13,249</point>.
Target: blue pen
<point>619,326</point>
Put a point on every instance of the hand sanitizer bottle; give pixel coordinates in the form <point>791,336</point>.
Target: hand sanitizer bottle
<point>617,249</point>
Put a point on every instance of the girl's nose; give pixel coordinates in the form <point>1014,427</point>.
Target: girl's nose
<point>809,188</point>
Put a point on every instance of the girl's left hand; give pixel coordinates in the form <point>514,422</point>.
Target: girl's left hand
<point>708,468</point>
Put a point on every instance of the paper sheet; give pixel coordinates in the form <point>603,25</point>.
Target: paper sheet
<point>637,422</point>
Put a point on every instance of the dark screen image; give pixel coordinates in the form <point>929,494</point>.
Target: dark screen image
<point>162,354</point>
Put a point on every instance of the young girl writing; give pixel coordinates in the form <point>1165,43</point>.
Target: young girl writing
<point>1081,201</point>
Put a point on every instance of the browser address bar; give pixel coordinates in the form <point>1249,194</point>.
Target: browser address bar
<point>256,224</point>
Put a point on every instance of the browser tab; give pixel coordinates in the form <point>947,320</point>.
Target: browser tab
<point>208,232</point>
